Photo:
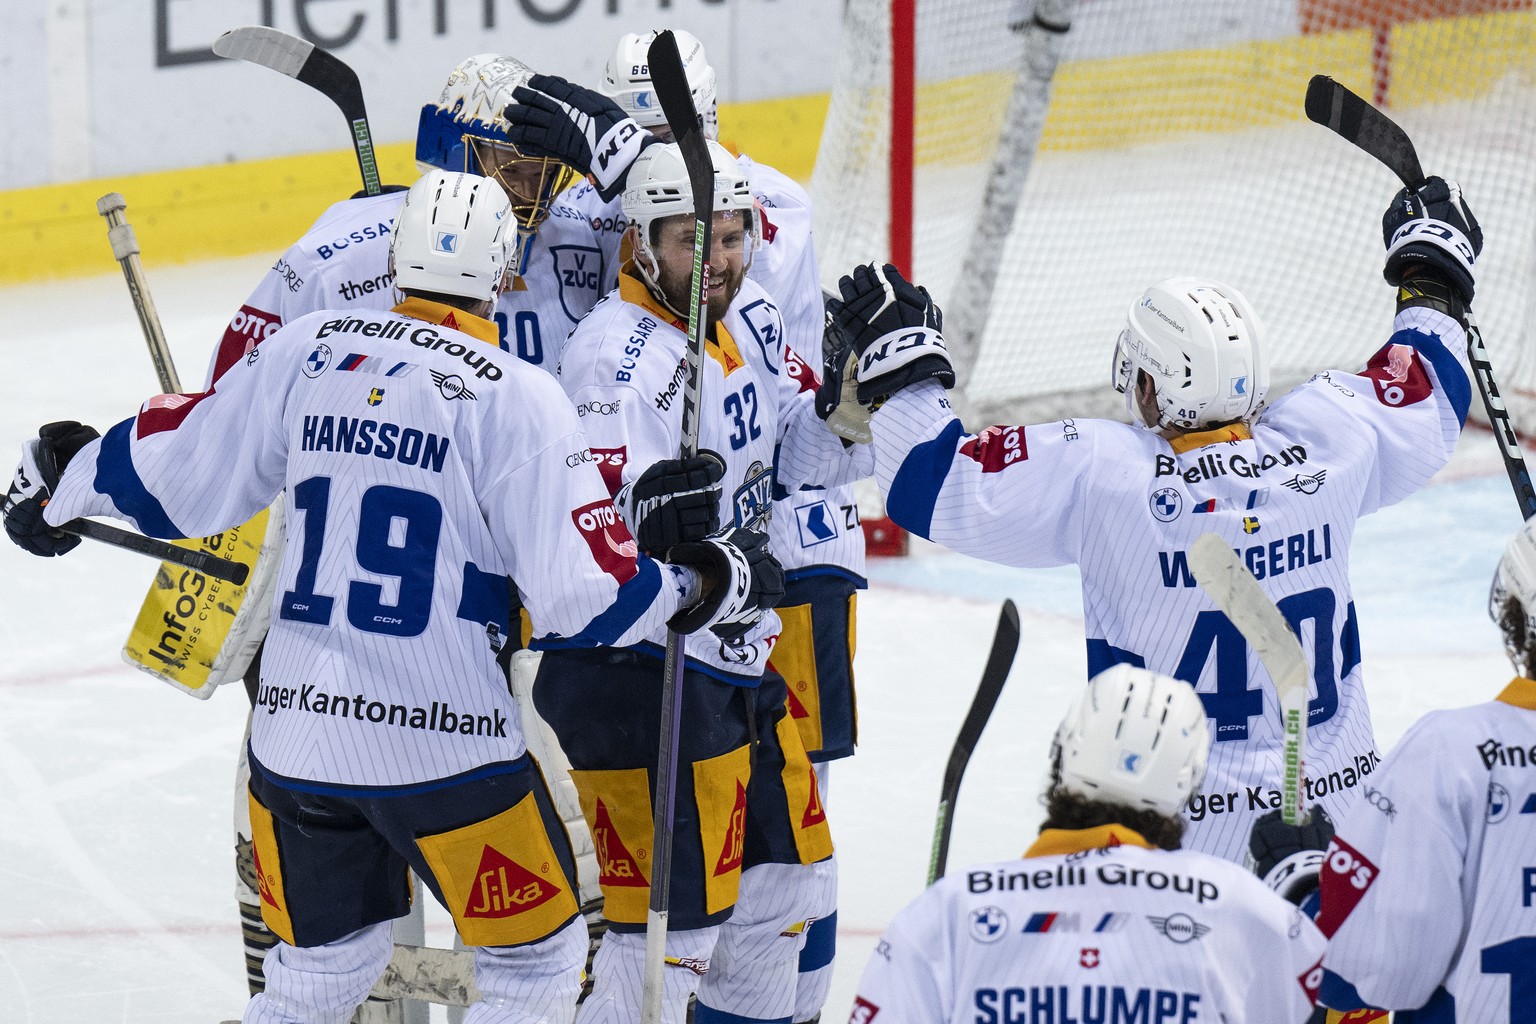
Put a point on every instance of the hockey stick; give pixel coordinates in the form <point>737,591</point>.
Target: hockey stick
<point>303,60</point>
<point>190,558</point>
<point>1238,595</point>
<point>1333,106</point>
<point>125,249</point>
<point>1005,643</point>
<point>671,83</point>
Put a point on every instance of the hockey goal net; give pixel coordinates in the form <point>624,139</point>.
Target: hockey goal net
<point>1152,139</point>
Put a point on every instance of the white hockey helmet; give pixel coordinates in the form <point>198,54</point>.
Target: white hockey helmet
<point>1203,347</point>
<point>659,188</point>
<point>1134,737</point>
<point>451,236</point>
<point>627,80</point>
<point>465,131</point>
<point>1515,578</point>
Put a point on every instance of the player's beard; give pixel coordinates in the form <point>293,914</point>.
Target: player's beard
<point>724,286</point>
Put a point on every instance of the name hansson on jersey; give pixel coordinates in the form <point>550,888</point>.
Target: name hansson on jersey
<point>353,436</point>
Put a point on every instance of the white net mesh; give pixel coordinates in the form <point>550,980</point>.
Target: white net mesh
<point>1175,143</point>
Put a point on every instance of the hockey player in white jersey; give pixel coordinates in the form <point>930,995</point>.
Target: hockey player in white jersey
<point>425,472</point>
<point>1283,484</point>
<point>749,824</point>
<point>556,273</point>
<point>1429,887</point>
<point>815,532</point>
<point>1105,919</point>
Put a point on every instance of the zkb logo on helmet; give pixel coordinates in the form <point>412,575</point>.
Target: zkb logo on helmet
<point>447,242</point>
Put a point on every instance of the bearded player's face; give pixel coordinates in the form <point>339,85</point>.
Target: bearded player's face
<point>727,260</point>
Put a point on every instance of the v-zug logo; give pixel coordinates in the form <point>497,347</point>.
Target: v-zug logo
<point>579,269</point>
<point>447,241</point>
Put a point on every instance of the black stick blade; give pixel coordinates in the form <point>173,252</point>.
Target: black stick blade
<point>1335,107</point>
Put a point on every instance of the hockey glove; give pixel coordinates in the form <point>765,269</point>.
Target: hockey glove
<point>1289,857</point>
<point>837,398</point>
<point>581,128</point>
<point>674,502</point>
<point>895,331</point>
<point>1432,227</point>
<point>742,580</point>
<point>42,463</point>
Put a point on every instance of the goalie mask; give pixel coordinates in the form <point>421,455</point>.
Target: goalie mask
<point>1515,580</point>
<point>1202,346</point>
<point>1136,738</point>
<point>450,237</point>
<point>464,131</point>
<point>659,188</point>
<point>627,80</point>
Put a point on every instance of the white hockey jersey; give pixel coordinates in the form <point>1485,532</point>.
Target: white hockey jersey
<point>624,369</point>
<point>1429,887</point>
<point>343,262</point>
<point>813,526</point>
<point>1093,925</point>
<point>1124,505</point>
<point>422,469</point>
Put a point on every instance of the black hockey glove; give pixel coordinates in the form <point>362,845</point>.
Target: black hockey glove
<point>1432,227</point>
<point>1289,857</point>
<point>580,127</point>
<point>742,581</point>
<point>837,398</point>
<point>42,463</point>
<point>674,502</point>
<point>895,332</point>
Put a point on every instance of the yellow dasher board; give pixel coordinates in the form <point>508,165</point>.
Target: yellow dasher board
<point>196,632</point>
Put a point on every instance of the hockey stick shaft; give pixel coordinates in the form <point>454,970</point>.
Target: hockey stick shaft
<point>322,71</point>
<point>125,249</point>
<point>1336,108</point>
<point>190,558</point>
<point>1005,644</point>
<point>1222,575</point>
<point>670,79</point>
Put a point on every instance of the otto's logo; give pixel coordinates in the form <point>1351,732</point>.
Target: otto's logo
<point>446,241</point>
<point>996,448</point>
<point>864,1011</point>
<point>609,540</point>
<point>451,386</point>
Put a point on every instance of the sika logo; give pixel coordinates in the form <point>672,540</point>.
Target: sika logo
<point>735,836</point>
<point>504,888</point>
<point>616,865</point>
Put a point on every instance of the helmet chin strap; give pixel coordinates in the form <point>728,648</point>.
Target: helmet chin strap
<point>646,266</point>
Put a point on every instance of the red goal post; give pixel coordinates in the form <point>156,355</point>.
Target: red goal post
<point>1054,174</point>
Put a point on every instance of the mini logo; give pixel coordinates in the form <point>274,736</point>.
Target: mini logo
<point>1088,957</point>
<point>451,386</point>
<point>988,924</point>
<point>1498,803</point>
<point>1307,483</point>
<point>1250,524</point>
<point>1181,928</point>
<point>446,241</point>
<point>317,361</point>
<point>1166,504</point>
<point>375,396</point>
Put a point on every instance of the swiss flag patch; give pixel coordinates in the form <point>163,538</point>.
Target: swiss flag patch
<point>612,547</point>
<point>1398,376</point>
<point>996,448</point>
